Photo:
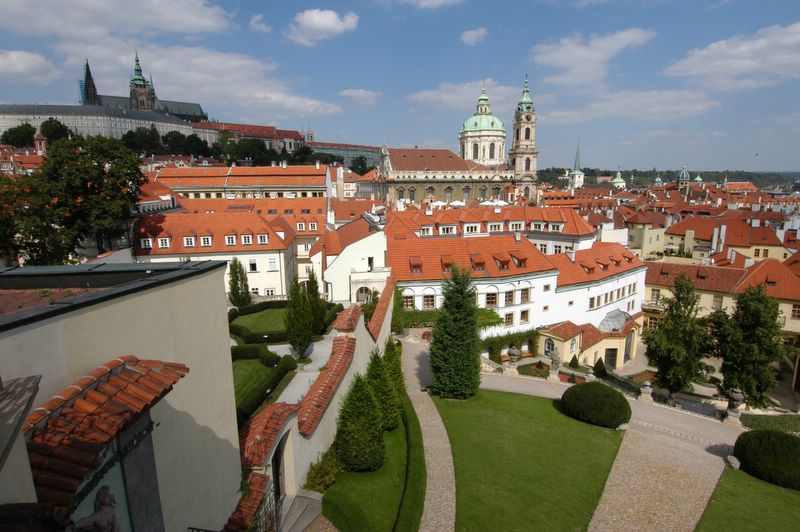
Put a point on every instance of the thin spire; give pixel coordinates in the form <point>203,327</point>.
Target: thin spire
<point>578,156</point>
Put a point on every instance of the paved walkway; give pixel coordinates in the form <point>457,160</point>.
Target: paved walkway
<point>439,512</point>
<point>319,352</point>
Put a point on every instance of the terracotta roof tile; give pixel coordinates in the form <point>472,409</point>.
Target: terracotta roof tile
<point>260,433</point>
<point>420,159</point>
<point>582,270</point>
<point>381,309</point>
<point>67,434</point>
<point>347,319</point>
<point>247,507</point>
<point>565,330</point>
<point>322,391</point>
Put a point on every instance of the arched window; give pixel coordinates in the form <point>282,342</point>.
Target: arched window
<point>527,192</point>
<point>412,194</point>
<point>483,193</point>
<point>517,133</point>
<point>466,191</point>
<point>448,194</point>
<point>573,345</point>
<point>496,192</point>
<point>491,150</point>
<point>430,191</point>
<point>463,154</point>
<point>475,150</point>
<point>527,164</point>
<point>401,193</point>
<point>549,346</point>
<point>527,133</point>
<point>363,294</point>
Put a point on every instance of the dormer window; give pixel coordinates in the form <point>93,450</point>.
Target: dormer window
<point>163,242</point>
<point>495,228</point>
<point>247,240</point>
<point>230,240</point>
<point>205,241</point>
<point>447,263</point>
<point>263,239</point>
<point>301,226</point>
<point>188,241</point>
<point>516,226</point>
<point>146,243</point>
<point>478,263</point>
<point>415,263</point>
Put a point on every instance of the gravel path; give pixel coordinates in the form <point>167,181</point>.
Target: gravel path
<point>439,513</point>
<point>657,482</point>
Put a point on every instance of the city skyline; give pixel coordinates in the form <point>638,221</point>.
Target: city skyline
<point>641,83</point>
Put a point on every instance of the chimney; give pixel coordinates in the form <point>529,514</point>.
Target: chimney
<point>571,255</point>
<point>316,163</point>
<point>273,163</point>
<point>517,236</point>
<point>723,231</point>
<point>714,240</point>
<point>284,164</point>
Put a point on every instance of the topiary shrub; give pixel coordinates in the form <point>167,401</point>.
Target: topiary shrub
<point>574,364</point>
<point>770,455</point>
<point>288,363</point>
<point>359,438</point>
<point>393,364</point>
<point>269,359</point>
<point>233,313</point>
<point>384,392</point>
<point>600,369</point>
<point>322,473</point>
<point>596,403</point>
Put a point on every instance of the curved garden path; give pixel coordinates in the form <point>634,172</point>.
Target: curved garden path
<point>439,513</point>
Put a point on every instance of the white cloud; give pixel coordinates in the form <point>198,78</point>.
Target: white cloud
<point>432,4</point>
<point>463,96</point>
<point>362,97</point>
<point>655,105</point>
<point>314,25</point>
<point>86,19</point>
<point>473,37</point>
<point>19,66</point>
<point>257,24</point>
<point>586,62</point>
<point>767,57</point>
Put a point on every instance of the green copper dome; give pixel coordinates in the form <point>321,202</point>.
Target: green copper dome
<point>483,119</point>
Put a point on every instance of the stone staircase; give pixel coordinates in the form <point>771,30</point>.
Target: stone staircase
<point>304,509</point>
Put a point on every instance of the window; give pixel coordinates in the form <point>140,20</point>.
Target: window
<point>269,291</point>
<point>306,247</point>
<point>545,308</point>
<point>247,240</point>
<point>524,295</point>
<point>796,312</point>
<point>509,319</point>
<point>272,264</point>
<point>408,302</point>
<point>766,253</point>
<point>556,249</point>
<point>493,228</point>
<point>571,304</point>
<point>717,304</point>
<point>428,301</point>
<point>516,226</point>
<point>655,294</point>
<point>301,226</point>
<point>509,298</point>
<point>757,252</point>
<point>527,133</point>
<point>546,288</point>
<point>527,164</point>
<point>263,239</point>
<point>543,248</point>
<point>471,228</point>
<point>537,227</point>
<point>523,316</point>
<point>591,303</point>
<point>475,151</point>
<point>312,226</point>
<point>253,265</point>
<point>163,242</point>
<point>573,345</point>
<point>446,230</point>
<point>146,243</point>
<point>254,291</point>
<point>491,150</point>
<point>491,299</point>
<point>230,240</point>
<point>651,322</point>
<point>188,241</point>
<point>309,269</point>
<point>205,241</point>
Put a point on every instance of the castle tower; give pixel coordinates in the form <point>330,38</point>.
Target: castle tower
<point>88,88</point>
<point>483,136</point>
<point>141,98</point>
<point>523,151</point>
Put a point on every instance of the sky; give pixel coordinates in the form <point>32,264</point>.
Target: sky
<point>713,85</point>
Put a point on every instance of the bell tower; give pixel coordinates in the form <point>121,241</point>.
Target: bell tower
<point>142,97</point>
<point>523,151</point>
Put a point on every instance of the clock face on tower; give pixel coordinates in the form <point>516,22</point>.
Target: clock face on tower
<point>528,118</point>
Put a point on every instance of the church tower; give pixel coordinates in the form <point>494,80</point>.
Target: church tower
<point>523,151</point>
<point>576,176</point>
<point>142,96</point>
<point>87,87</point>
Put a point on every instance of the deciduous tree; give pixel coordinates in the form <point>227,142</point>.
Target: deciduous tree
<point>54,130</point>
<point>20,136</point>
<point>677,344</point>
<point>455,347</point>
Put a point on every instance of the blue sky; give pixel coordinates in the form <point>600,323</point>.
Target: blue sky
<point>643,83</point>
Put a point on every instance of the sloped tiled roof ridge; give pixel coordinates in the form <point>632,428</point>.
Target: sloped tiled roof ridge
<point>66,435</point>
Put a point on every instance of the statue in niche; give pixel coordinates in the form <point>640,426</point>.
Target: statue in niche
<point>104,518</point>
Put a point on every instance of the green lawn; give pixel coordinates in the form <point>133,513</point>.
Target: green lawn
<point>523,465</point>
<point>265,321</point>
<point>742,502</point>
<point>783,423</point>
<point>369,501</point>
<point>250,383</point>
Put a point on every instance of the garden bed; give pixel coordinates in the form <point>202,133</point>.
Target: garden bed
<point>534,370</point>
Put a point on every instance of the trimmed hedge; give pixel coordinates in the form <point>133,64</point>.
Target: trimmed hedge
<point>495,344</point>
<point>407,318</point>
<point>269,359</point>
<point>273,337</point>
<point>245,352</point>
<point>410,512</point>
<point>770,455</point>
<point>288,363</point>
<point>258,307</point>
<point>233,313</point>
<point>596,403</point>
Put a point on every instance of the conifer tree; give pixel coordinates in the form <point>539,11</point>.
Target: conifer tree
<point>298,319</point>
<point>316,304</point>
<point>384,391</point>
<point>359,438</point>
<point>238,288</point>
<point>392,362</point>
<point>455,347</point>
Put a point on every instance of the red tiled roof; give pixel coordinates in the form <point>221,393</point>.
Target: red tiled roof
<point>464,253</point>
<point>421,159</point>
<point>18,300</point>
<point>778,279</point>
<point>737,233</point>
<point>376,322</point>
<point>320,395</point>
<point>601,261</point>
<point>67,435</point>
<point>347,319</point>
<point>333,242</point>
<point>260,433</point>
<point>793,263</point>
<point>707,278</point>
<point>337,145</point>
<point>564,330</point>
<point>242,176</point>
<point>350,209</point>
<point>590,335</point>
<point>242,517</point>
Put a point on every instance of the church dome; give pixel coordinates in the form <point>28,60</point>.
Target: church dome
<point>483,119</point>
<point>618,180</point>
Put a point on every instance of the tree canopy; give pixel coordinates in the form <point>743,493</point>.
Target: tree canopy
<point>54,130</point>
<point>298,318</point>
<point>677,344</point>
<point>455,347</point>
<point>238,288</point>
<point>85,189</point>
<point>749,342</point>
<point>20,136</point>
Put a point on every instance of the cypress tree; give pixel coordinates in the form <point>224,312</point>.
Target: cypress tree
<point>455,347</point>
<point>238,289</point>
<point>393,364</point>
<point>384,391</point>
<point>316,304</point>
<point>298,319</point>
<point>359,438</point>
